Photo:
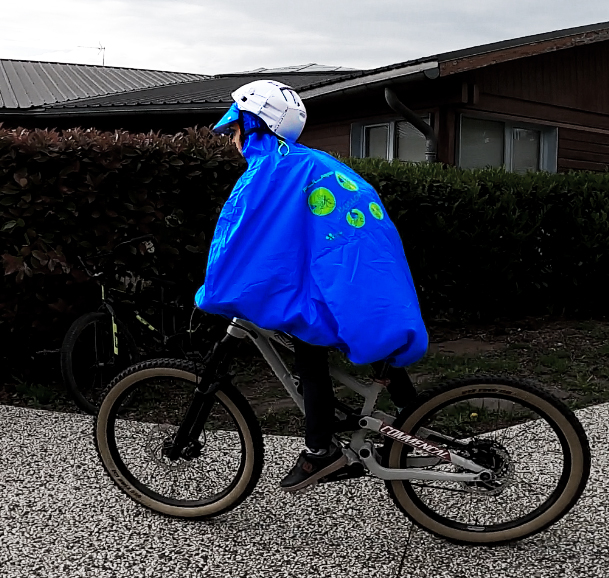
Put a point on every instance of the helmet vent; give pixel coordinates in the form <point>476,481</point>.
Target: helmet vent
<point>291,93</point>
<point>243,98</point>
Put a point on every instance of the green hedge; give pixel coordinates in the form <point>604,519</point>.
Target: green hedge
<point>481,244</point>
<point>79,192</point>
<point>488,243</point>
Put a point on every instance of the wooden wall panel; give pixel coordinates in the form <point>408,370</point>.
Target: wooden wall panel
<point>576,78</point>
<point>331,138</point>
<point>531,111</point>
<point>575,165</point>
<point>582,150</point>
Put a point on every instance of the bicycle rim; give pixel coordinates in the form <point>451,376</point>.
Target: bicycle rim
<point>136,423</point>
<point>89,361</point>
<point>532,443</point>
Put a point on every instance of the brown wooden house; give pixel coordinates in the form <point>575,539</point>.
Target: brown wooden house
<point>534,103</point>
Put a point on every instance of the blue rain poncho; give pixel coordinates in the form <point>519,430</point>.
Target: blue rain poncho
<point>303,245</point>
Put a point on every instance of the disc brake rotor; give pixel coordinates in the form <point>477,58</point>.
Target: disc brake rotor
<point>494,457</point>
<point>158,439</point>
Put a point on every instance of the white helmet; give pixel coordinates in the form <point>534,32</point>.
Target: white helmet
<point>277,104</point>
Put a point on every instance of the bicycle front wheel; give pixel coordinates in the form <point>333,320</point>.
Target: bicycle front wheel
<point>89,361</point>
<point>137,423</point>
<point>532,443</point>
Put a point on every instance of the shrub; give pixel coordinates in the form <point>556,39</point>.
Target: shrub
<point>80,192</point>
<point>481,244</point>
<point>488,243</point>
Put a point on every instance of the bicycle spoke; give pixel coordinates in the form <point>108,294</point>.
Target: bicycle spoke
<point>533,487</point>
<point>503,436</point>
<point>152,415</point>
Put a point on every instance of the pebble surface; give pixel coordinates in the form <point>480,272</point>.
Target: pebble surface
<point>61,516</point>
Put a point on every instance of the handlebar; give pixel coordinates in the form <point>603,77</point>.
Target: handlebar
<point>98,256</point>
<point>135,239</point>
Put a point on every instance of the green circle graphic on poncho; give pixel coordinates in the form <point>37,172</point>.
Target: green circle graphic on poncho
<point>376,211</point>
<point>322,202</point>
<point>346,182</point>
<point>356,218</point>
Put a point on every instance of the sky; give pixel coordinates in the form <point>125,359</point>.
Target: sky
<point>215,37</point>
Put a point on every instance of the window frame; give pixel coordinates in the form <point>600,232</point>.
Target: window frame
<point>548,146</point>
<point>390,137</point>
<point>358,134</point>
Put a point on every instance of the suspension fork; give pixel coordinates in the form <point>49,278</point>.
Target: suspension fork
<point>214,374</point>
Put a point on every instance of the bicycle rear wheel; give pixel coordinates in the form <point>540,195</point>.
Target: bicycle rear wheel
<point>533,444</point>
<point>136,426</point>
<point>88,359</point>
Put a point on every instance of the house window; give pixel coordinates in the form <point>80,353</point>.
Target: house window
<point>482,143</point>
<point>526,152</point>
<point>518,147</point>
<point>376,140</point>
<point>410,143</point>
<point>388,140</point>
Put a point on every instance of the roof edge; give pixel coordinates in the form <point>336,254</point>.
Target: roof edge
<point>528,40</point>
<point>460,62</point>
<point>63,112</point>
<point>296,73</point>
<point>203,76</point>
<point>430,69</point>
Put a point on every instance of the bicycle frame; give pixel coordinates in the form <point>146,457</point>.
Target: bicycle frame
<point>107,304</point>
<point>129,279</point>
<point>160,336</point>
<point>361,450</point>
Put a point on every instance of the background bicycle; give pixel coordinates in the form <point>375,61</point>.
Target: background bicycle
<point>479,460</point>
<point>137,319</point>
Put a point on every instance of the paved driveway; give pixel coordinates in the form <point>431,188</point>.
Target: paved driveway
<point>60,516</point>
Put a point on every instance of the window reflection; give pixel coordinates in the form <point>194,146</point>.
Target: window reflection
<point>377,139</point>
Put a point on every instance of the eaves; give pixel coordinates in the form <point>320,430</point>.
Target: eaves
<point>63,112</point>
<point>422,69</point>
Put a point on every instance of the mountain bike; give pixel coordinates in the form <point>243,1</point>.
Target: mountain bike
<point>136,318</point>
<point>478,460</point>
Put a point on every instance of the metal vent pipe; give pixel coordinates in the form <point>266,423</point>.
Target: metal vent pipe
<point>431,141</point>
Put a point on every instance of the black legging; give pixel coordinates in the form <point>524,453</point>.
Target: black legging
<point>312,367</point>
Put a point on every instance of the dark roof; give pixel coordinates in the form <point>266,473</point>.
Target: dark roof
<point>210,93</point>
<point>196,92</point>
<point>26,84</point>
<point>439,64</point>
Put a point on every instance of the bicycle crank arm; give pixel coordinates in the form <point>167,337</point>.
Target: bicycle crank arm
<point>423,445</point>
<point>366,455</point>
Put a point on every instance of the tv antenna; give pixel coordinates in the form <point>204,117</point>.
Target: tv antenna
<point>100,49</point>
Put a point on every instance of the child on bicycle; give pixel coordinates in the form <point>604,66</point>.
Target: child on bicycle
<point>304,245</point>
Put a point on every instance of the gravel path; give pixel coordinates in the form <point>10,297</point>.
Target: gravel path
<point>60,516</point>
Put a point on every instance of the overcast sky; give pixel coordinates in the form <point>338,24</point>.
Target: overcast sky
<point>212,37</point>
